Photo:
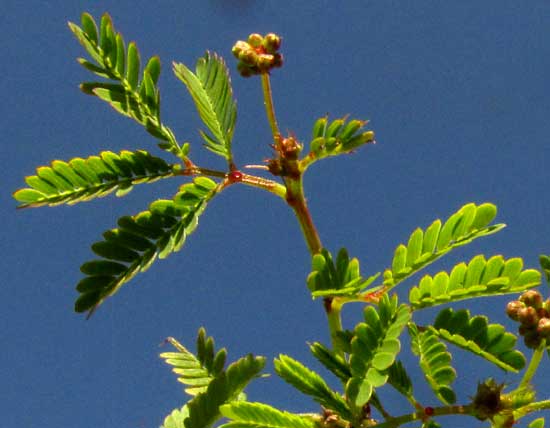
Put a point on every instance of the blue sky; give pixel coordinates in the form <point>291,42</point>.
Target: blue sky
<point>457,93</point>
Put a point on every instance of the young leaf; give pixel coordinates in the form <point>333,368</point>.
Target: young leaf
<point>435,362</point>
<point>258,415</point>
<point>310,383</point>
<point>140,239</point>
<point>478,278</point>
<point>423,247</point>
<point>399,379</point>
<point>374,347</point>
<point>474,334</point>
<point>210,88</point>
<point>195,371</point>
<point>82,180</point>
<point>342,278</point>
<point>336,138</point>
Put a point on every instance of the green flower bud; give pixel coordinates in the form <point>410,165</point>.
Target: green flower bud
<point>249,57</point>
<point>531,298</point>
<point>543,327</point>
<point>528,316</point>
<point>244,70</point>
<point>265,61</point>
<point>512,309</point>
<point>239,47</point>
<point>255,40</point>
<point>272,43</point>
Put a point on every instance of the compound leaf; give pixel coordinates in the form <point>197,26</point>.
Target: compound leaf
<point>340,278</point>
<point>474,334</point>
<point>259,415</point>
<point>374,347</point>
<point>139,100</point>
<point>336,138</point>
<point>435,362</point>
<point>480,277</point>
<point>140,239</point>
<point>333,362</point>
<point>204,408</point>
<point>310,383</point>
<point>425,246</point>
<point>210,88</point>
<point>80,180</point>
<point>195,371</point>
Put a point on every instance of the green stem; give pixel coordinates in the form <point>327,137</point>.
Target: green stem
<point>536,358</point>
<point>416,416</point>
<point>531,408</point>
<point>269,108</point>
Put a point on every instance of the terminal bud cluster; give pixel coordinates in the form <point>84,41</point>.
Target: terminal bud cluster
<point>533,315</point>
<point>258,54</point>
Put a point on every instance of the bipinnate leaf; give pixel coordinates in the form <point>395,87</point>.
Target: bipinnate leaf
<point>210,88</point>
<point>340,278</point>
<point>310,383</point>
<point>196,371</point>
<point>176,419</point>
<point>204,408</point>
<point>336,138</point>
<point>80,180</point>
<point>130,96</point>
<point>374,347</point>
<point>480,277</point>
<point>425,246</point>
<point>435,362</point>
<point>243,414</point>
<point>139,240</point>
<point>474,334</point>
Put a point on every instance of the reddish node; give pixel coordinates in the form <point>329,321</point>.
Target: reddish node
<point>235,176</point>
<point>428,411</point>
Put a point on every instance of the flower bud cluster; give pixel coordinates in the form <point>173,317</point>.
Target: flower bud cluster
<point>258,54</point>
<point>533,315</point>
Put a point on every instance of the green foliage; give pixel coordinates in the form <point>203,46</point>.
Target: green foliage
<point>310,383</point>
<point>140,239</point>
<point>426,246</point>
<point>374,347</point>
<point>333,362</point>
<point>362,358</point>
<point>204,408</point>
<point>85,179</point>
<point>537,423</point>
<point>342,278</point>
<point>545,266</point>
<point>399,379</point>
<point>210,87</point>
<point>435,362</point>
<point>480,277</point>
<point>196,371</point>
<point>176,419</point>
<point>130,96</point>
<point>335,138</point>
<point>258,415</point>
<point>210,385</point>
<point>474,334</point>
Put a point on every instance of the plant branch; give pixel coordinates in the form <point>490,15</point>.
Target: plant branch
<point>269,108</point>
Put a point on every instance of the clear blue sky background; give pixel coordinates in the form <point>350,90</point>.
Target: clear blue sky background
<point>457,92</point>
